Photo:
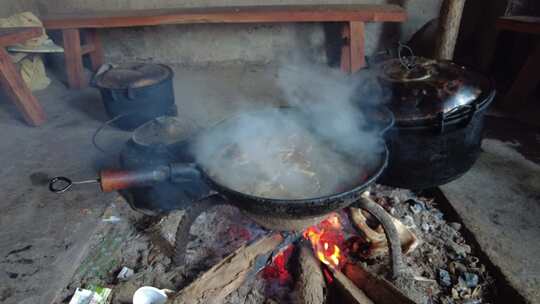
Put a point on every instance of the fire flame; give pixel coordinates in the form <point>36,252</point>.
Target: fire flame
<point>326,238</point>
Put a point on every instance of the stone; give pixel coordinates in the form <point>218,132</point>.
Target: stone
<point>444,278</point>
<point>425,227</point>
<point>456,268</point>
<point>461,250</point>
<point>469,279</point>
<point>455,225</point>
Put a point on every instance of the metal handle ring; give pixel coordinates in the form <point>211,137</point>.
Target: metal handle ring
<point>408,62</point>
<point>58,180</point>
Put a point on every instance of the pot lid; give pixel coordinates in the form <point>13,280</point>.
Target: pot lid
<point>424,89</point>
<point>164,130</point>
<point>132,75</point>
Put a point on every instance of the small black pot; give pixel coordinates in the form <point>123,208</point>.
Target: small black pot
<point>132,102</point>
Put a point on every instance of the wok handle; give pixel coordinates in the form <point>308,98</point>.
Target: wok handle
<point>113,180</point>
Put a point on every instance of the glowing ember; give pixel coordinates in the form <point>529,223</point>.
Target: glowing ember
<point>277,271</point>
<point>326,239</point>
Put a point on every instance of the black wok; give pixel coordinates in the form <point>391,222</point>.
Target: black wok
<point>113,180</point>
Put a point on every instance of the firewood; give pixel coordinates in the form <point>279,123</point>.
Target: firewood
<point>228,275</point>
<point>366,203</point>
<point>449,23</point>
<point>311,285</point>
<point>378,242</point>
<point>348,291</point>
<point>377,288</point>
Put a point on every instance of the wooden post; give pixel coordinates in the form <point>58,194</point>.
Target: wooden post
<point>14,85</point>
<point>449,23</point>
<point>96,56</point>
<point>73,57</point>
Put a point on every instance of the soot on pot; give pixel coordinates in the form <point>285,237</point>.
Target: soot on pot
<point>320,146</point>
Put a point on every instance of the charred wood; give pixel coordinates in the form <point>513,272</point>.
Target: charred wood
<point>228,275</point>
<point>378,242</point>
<point>347,291</point>
<point>378,289</point>
<point>311,285</point>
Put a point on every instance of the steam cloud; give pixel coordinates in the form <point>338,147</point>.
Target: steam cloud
<point>325,146</point>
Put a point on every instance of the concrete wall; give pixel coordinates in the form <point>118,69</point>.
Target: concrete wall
<point>201,44</point>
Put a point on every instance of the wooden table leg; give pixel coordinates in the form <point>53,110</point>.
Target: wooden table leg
<point>96,56</point>
<point>352,51</point>
<point>73,56</point>
<point>526,80</point>
<point>21,95</point>
<point>345,64</point>
<point>357,45</point>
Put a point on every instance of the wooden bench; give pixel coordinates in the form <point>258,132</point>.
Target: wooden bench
<point>353,18</point>
<point>11,79</point>
<point>528,77</point>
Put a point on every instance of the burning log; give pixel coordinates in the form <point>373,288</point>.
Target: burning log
<point>377,288</point>
<point>228,275</point>
<point>311,284</point>
<point>377,240</point>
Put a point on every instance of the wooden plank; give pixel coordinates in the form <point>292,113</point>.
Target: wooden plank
<point>14,85</point>
<point>73,58</point>
<point>357,42</point>
<point>522,24</point>
<point>239,14</point>
<point>96,55</point>
<point>15,35</point>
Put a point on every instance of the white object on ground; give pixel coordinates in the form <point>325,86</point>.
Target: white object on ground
<point>149,295</point>
<point>99,295</point>
<point>112,219</point>
<point>125,273</point>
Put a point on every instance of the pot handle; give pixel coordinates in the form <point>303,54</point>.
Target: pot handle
<point>130,92</point>
<point>102,69</point>
<point>113,180</point>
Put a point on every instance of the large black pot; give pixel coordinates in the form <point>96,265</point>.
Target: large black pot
<point>136,93</point>
<point>439,110</point>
